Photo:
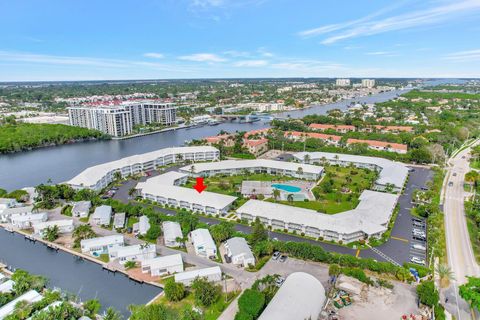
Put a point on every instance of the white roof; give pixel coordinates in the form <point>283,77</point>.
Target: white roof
<point>119,219</point>
<point>91,175</point>
<point>159,187</point>
<point>246,164</point>
<point>103,212</point>
<point>59,223</point>
<point>102,241</point>
<point>391,172</point>
<point>134,250</point>
<point>28,217</point>
<point>16,210</point>
<point>202,237</point>
<point>82,206</point>
<point>300,297</point>
<point>8,201</point>
<point>371,216</point>
<point>30,296</point>
<point>239,246</point>
<point>171,230</point>
<point>169,178</point>
<point>205,272</point>
<point>163,262</point>
<point>7,286</point>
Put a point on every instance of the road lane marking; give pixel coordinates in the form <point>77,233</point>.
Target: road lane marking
<point>399,239</point>
<point>358,253</point>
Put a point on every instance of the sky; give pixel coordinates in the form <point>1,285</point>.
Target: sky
<point>50,40</point>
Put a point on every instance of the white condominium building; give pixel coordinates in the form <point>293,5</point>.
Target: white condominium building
<point>99,176</point>
<point>368,83</point>
<point>343,82</point>
<point>119,120</point>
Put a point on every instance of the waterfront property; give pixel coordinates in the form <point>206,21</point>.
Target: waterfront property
<point>5,214</point>
<point>101,216</point>
<point>99,176</point>
<point>64,226</point>
<point>81,209</point>
<point>391,174</point>
<point>163,189</point>
<point>368,220</point>
<point>172,232</point>
<point>6,203</point>
<point>6,286</point>
<point>26,221</point>
<point>300,297</point>
<point>136,253</point>
<point>239,252</point>
<point>141,227</point>
<point>101,245</point>
<point>234,167</point>
<point>213,274</point>
<point>203,243</point>
<point>29,297</point>
<point>160,266</point>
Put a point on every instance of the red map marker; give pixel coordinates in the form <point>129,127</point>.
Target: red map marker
<point>200,186</point>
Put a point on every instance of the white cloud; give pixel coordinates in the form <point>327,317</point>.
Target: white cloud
<point>461,56</point>
<point>154,55</point>
<point>203,57</point>
<point>208,3</point>
<point>368,26</point>
<point>251,63</point>
<point>264,52</point>
<point>237,54</point>
<point>382,53</point>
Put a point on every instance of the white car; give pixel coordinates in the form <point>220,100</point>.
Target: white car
<point>417,260</point>
<point>418,246</point>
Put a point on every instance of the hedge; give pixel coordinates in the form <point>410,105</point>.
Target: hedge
<point>251,302</point>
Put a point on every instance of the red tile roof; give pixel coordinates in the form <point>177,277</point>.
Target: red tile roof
<point>382,144</point>
<point>331,126</point>
<point>313,135</point>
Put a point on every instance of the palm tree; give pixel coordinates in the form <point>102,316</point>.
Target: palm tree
<point>306,158</point>
<point>131,191</point>
<point>192,169</point>
<point>276,194</point>
<point>112,314</point>
<point>445,274</point>
<point>290,198</point>
<point>299,171</point>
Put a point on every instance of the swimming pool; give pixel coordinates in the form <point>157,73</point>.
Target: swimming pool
<point>286,187</point>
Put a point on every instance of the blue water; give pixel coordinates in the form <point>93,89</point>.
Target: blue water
<point>286,187</point>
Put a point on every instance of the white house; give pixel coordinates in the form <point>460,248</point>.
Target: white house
<point>203,243</point>
<point>239,252</point>
<point>141,227</point>
<point>137,253</point>
<point>30,297</point>
<point>171,232</point>
<point>119,220</point>
<point>81,209</point>
<point>6,286</point>
<point>213,274</point>
<point>102,215</point>
<point>6,203</point>
<point>26,221</point>
<point>101,245</point>
<point>8,212</point>
<point>64,226</point>
<point>163,265</point>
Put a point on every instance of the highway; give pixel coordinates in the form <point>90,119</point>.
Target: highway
<point>459,250</point>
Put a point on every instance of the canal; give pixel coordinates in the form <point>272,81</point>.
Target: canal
<point>83,278</point>
<point>61,163</point>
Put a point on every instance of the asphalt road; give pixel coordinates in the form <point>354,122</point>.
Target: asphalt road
<point>398,250</point>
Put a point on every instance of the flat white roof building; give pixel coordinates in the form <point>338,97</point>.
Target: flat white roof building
<point>163,265</point>
<point>142,226</point>
<point>64,226</point>
<point>81,209</point>
<point>369,219</point>
<point>119,220</point>
<point>390,172</point>
<point>135,253</point>
<point>25,221</point>
<point>239,251</point>
<point>213,274</point>
<point>161,190</point>
<point>7,286</point>
<point>172,231</point>
<point>30,297</point>
<point>203,243</point>
<point>99,176</point>
<point>302,171</point>
<point>5,214</point>
<point>300,297</point>
<point>102,215</point>
<point>7,203</point>
<point>101,245</point>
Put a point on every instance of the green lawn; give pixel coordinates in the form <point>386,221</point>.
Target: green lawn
<point>131,221</point>
<point>475,164</point>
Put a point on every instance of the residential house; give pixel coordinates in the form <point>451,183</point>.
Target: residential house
<point>81,209</point>
<point>29,297</point>
<point>227,139</point>
<point>301,136</point>
<point>10,211</point>
<point>142,226</point>
<point>256,147</point>
<point>136,253</point>
<point>25,221</point>
<point>101,216</point>
<point>160,266</point>
<point>203,243</point>
<point>119,220</point>
<point>101,245</point>
<point>239,252</point>
<point>171,232</point>
<point>213,274</point>
<point>337,127</point>
<point>6,203</point>
<point>64,226</point>
<point>380,145</point>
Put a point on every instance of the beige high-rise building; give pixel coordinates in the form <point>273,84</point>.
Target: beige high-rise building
<point>368,83</point>
<point>343,82</point>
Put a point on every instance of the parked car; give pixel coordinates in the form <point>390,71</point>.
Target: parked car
<point>418,246</point>
<point>275,255</point>
<point>418,260</point>
<point>417,220</point>
<point>283,258</point>
<point>279,281</point>
<point>454,174</point>
<point>420,238</point>
<point>450,184</point>
<point>411,170</point>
